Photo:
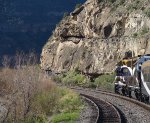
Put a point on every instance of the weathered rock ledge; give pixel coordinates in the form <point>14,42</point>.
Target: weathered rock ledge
<point>94,38</point>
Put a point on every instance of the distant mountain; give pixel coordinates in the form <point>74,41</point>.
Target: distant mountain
<point>27,24</point>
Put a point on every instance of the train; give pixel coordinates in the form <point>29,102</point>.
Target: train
<point>133,77</point>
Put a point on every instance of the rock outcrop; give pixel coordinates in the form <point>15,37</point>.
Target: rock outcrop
<point>96,36</point>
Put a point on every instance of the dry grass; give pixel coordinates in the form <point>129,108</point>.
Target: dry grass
<point>6,84</point>
<point>20,84</point>
<point>31,93</point>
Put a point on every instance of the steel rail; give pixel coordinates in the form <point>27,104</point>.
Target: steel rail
<point>107,112</point>
<point>96,106</point>
<point>141,104</point>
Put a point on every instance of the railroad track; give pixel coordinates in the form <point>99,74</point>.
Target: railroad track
<point>107,112</point>
<point>94,115</point>
<point>144,105</point>
<point>130,110</point>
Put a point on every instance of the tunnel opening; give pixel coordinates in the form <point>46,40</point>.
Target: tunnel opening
<point>107,31</point>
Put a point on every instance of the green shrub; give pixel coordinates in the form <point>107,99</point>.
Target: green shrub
<point>74,78</point>
<point>131,7</point>
<point>90,84</point>
<point>36,119</point>
<point>70,102</point>
<point>137,4</point>
<point>144,30</point>
<point>66,14</point>
<point>78,5</point>
<point>46,102</point>
<point>116,2</point>
<point>105,81</point>
<point>147,12</point>
<point>121,2</point>
<point>36,97</point>
<point>69,106</point>
<point>57,78</point>
<point>56,100</point>
<point>66,117</point>
<point>135,35</point>
<point>112,1</point>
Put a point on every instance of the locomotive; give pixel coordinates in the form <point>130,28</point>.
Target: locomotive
<point>133,77</point>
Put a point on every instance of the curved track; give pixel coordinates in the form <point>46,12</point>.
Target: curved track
<point>130,110</point>
<point>141,104</point>
<point>107,112</point>
<point>95,113</point>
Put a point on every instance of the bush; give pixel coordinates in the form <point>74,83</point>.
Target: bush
<point>57,78</point>
<point>70,102</point>
<point>36,119</point>
<point>105,82</point>
<point>116,2</point>
<point>66,14</point>
<point>45,102</point>
<point>57,101</point>
<point>135,35</point>
<point>147,12</point>
<point>137,4</point>
<point>21,86</point>
<point>121,2</point>
<point>144,30</point>
<point>112,1</point>
<point>78,5</point>
<point>68,107</point>
<point>32,95</point>
<point>66,117</point>
<point>74,78</point>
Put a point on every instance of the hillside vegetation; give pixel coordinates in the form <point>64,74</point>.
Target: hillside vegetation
<point>76,78</point>
<point>30,96</point>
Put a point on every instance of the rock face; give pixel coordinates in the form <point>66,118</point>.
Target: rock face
<point>96,36</point>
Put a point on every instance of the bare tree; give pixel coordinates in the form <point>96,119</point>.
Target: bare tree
<point>25,80</point>
<point>6,61</point>
<point>19,59</point>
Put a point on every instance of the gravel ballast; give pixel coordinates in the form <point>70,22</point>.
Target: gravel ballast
<point>133,112</point>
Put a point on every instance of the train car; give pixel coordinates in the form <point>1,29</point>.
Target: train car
<point>123,80</point>
<point>145,81</point>
<point>134,81</point>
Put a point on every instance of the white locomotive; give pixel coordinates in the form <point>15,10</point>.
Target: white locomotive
<point>133,78</point>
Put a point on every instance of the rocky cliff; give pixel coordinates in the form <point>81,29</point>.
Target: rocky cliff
<point>96,35</point>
